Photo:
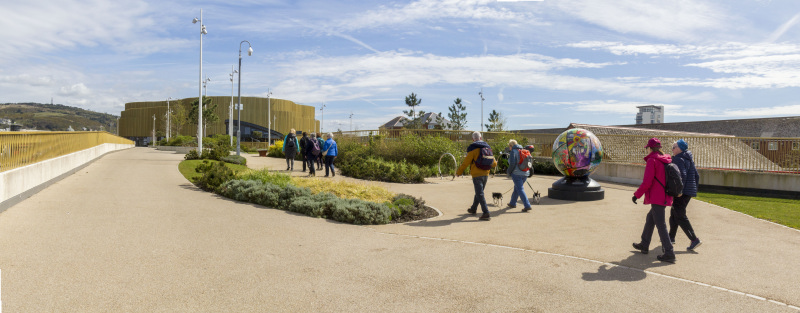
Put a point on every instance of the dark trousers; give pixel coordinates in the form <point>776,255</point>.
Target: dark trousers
<point>290,160</point>
<point>310,160</point>
<point>480,184</point>
<point>329,165</point>
<point>305,162</point>
<point>319,161</point>
<point>677,217</point>
<point>655,219</point>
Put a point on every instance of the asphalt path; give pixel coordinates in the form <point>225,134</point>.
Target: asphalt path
<point>129,234</point>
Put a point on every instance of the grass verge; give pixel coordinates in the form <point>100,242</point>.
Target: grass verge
<point>782,211</point>
<point>187,168</point>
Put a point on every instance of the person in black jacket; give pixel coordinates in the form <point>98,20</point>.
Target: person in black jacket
<point>303,142</point>
<point>310,153</point>
<point>682,157</point>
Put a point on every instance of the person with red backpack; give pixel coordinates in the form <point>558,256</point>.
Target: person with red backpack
<point>480,160</point>
<point>656,196</point>
<point>519,165</point>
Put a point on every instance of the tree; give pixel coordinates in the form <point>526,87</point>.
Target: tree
<point>457,115</point>
<point>208,112</point>
<point>179,118</point>
<point>497,122</point>
<point>413,116</point>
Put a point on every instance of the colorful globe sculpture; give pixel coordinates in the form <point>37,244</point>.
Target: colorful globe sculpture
<point>577,152</point>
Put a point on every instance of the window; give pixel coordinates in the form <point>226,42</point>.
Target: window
<point>796,145</point>
<point>772,146</point>
<point>755,145</point>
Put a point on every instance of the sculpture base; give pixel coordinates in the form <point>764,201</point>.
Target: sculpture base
<point>576,189</point>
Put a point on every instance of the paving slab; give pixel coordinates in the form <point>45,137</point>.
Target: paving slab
<point>129,234</point>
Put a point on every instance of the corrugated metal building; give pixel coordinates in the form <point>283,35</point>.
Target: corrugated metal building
<point>136,121</point>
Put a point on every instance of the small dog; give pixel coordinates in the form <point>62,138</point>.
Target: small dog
<point>497,198</point>
<point>536,198</point>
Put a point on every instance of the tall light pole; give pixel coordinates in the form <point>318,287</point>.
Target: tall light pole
<point>269,118</point>
<point>205,85</point>
<point>168,118</point>
<point>322,109</point>
<point>481,94</point>
<point>200,87</point>
<point>154,130</point>
<point>230,108</point>
<point>239,104</point>
<point>351,120</point>
<point>117,126</point>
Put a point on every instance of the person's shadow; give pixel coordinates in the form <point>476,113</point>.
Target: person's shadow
<point>630,269</point>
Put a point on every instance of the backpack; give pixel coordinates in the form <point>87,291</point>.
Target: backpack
<point>290,142</point>
<point>485,159</point>
<point>315,149</point>
<point>525,160</point>
<point>672,176</point>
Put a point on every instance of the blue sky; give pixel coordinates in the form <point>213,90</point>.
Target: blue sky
<point>542,64</point>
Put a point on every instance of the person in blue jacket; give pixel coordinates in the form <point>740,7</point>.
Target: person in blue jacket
<point>330,150</point>
<point>518,176</point>
<point>682,157</point>
<point>290,147</point>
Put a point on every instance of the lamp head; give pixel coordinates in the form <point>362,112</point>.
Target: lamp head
<point>203,30</point>
<point>195,20</point>
<point>250,51</point>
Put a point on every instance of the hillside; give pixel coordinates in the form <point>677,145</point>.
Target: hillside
<point>55,117</point>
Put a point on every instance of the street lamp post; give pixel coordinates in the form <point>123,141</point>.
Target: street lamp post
<point>200,87</point>
<point>205,86</point>
<point>481,94</point>
<point>118,126</point>
<point>154,130</point>
<point>230,108</point>
<point>322,123</point>
<point>168,118</point>
<point>351,121</point>
<point>239,104</point>
<point>269,118</point>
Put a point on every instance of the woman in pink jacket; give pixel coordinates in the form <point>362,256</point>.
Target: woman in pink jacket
<point>656,196</point>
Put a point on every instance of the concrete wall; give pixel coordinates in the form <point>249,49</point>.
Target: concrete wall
<point>21,183</point>
<point>181,150</point>
<point>632,174</point>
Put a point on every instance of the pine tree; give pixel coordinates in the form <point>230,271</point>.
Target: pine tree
<point>457,115</point>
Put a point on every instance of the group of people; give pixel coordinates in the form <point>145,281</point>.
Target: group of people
<point>481,176</point>
<point>313,150</point>
<point>655,195</point>
<point>652,188</point>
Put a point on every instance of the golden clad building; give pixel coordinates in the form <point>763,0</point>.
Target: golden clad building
<point>136,121</point>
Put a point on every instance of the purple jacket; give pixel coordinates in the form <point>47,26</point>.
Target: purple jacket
<point>653,192</point>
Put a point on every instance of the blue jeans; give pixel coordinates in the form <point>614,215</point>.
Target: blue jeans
<point>480,184</point>
<point>519,191</point>
<point>655,219</point>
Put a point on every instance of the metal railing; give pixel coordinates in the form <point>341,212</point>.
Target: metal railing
<point>711,152</point>
<point>18,149</point>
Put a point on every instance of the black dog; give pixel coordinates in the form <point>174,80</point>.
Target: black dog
<point>497,198</point>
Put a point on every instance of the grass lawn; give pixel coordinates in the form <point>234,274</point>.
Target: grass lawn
<point>187,167</point>
<point>781,211</point>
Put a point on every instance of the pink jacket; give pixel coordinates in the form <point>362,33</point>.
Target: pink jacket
<point>653,192</point>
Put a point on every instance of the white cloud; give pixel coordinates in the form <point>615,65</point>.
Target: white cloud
<point>74,90</point>
<point>424,10</point>
<point>311,78</point>
<point>679,20</point>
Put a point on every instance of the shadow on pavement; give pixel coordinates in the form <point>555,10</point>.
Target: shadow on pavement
<point>637,263</point>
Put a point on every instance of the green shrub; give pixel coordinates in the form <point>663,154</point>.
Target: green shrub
<point>214,175</point>
<point>192,155</point>
<point>265,176</point>
<point>545,166</point>
<point>301,200</point>
<point>235,159</point>
<point>373,168</point>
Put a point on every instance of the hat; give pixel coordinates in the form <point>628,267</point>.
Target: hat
<point>654,143</point>
<point>683,145</point>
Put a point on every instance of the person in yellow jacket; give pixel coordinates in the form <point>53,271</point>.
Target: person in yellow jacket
<point>479,176</point>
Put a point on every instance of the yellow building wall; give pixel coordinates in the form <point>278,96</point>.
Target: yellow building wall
<point>137,118</point>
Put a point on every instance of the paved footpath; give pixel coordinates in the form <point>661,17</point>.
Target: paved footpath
<point>129,233</point>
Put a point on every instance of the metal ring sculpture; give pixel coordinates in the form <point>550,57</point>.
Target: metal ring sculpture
<point>455,165</point>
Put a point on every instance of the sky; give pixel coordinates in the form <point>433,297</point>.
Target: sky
<point>542,64</point>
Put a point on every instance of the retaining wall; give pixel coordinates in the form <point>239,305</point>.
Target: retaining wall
<point>21,183</point>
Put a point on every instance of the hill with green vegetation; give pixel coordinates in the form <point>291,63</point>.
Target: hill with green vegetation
<point>55,117</point>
